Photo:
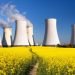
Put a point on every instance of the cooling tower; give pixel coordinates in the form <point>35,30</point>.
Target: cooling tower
<point>21,38</point>
<point>73,35</point>
<point>51,35</point>
<point>30,32</point>
<point>0,43</point>
<point>7,36</point>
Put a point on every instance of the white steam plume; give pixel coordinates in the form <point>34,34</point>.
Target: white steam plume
<point>3,23</point>
<point>11,12</point>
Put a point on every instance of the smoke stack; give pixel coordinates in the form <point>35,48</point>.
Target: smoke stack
<point>30,33</point>
<point>21,38</point>
<point>51,35</point>
<point>7,36</point>
<point>73,35</point>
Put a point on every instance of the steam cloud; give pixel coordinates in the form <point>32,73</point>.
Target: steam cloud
<point>11,13</point>
<point>4,23</point>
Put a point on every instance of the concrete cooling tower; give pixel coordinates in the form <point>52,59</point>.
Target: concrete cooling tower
<point>51,36</point>
<point>30,33</point>
<point>73,35</point>
<point>0,43</point>
<point>7,37</point>
<point>21,38</point>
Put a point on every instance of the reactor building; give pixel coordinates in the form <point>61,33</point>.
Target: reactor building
<point>51,36</point>
<point>73,35</point>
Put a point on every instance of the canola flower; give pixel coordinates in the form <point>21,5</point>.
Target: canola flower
<point>51,60</point>
<point>14,60</point>
<point>55,61</point>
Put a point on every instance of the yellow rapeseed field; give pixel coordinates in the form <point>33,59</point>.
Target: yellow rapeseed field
<point>55,61</point>
<point>14,60</point>
<point>52,60</point>
<point>53,51</point>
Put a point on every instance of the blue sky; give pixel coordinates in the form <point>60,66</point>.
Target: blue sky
<point>38,10</point>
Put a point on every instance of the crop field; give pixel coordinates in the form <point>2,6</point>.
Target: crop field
<point>55,61</point>
<point>15,61</point>
<point>51,60</point>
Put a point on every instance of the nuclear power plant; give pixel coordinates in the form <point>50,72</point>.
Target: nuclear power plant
<point>24,33</point>
<point>7,36</point>
<point>73,35</point>
<point>51,36</point>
